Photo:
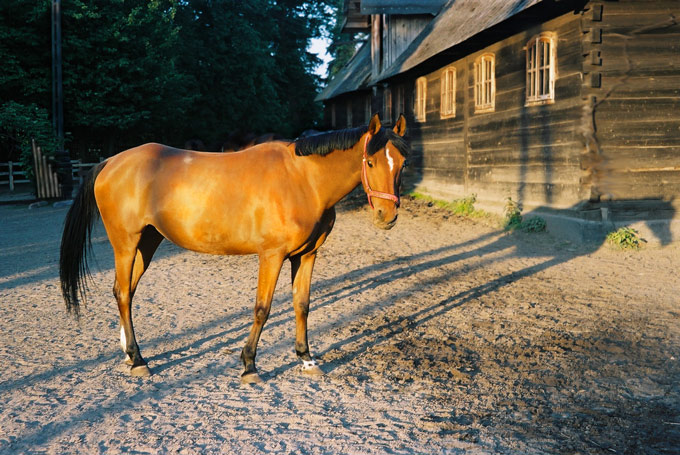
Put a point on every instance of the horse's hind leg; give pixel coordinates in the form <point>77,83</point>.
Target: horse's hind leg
<point>130,266</point>
<point>270,266</point>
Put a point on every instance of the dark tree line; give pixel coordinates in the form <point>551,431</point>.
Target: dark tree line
<point>160,70</point>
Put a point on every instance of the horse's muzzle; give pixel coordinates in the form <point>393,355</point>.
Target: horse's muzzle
<point>380,222</point>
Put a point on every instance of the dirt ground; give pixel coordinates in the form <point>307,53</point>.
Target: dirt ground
<point>441,336</point>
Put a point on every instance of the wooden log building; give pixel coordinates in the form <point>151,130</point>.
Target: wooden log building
<point>570,107</point>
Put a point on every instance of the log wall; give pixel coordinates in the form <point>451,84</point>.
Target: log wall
<point>636,109</point>
<point>529,153</point>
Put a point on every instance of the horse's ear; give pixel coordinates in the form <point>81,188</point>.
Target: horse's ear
<point>374,125</point>
<point>400,127</point>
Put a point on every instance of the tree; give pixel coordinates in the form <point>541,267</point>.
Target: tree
<point>165,70</point>
<point>343,45</point>
<point>25,78</point>
<point>121,86</point>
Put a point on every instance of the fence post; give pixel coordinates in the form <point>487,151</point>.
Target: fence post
<point>38,174</point>
<point>11,178</point>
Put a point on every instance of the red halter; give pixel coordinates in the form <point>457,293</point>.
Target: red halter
<point>367,188</point>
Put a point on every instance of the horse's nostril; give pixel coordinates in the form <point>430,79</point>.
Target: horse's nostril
<point>380,214</point>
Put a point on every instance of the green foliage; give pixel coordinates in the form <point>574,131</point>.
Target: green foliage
<point>25,52</point>
<point>512,215</point>
<point>18,125</point>
<point>343,45</point>
<point>626,238</point>
<point>464,206</point>
<point>461,207</point>
<point>167,70</point>
<point>120,80</point>
<point>513,220</point>
<point>533,224</point>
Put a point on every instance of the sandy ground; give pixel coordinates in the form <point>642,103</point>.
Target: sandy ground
<point>440,336</point>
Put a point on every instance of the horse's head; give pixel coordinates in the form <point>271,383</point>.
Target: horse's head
<point>385,152</point>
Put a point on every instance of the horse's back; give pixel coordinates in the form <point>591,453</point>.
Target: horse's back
<point>209,202</point>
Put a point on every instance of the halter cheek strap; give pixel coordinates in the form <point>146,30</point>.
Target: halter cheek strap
<point>364,180</point>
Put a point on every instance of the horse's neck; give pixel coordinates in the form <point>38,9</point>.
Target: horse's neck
<point>336,174</point>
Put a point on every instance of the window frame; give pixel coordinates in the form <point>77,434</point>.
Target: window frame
<point>447,108</point>
<point>540,90</point>
<point>485,83</point>
<point>420,102</point>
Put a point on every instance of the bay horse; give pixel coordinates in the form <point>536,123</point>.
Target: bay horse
<point>282,208</point>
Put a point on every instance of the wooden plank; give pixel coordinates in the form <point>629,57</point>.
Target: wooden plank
<point>648,178</point>
<point>455,176</point>
<point>520,143</point>
<point>533,194</point>
<point>553,155</point>
<point>640,130</point>
<point>653,86</point>
<point>528,117</point>
<point>641,109</point>
<point>636,8</point>
<point>664,156</point>
<point>615,140</point>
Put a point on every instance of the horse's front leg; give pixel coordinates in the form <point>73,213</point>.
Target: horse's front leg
<point>301,268</point>
<point>270,266</point>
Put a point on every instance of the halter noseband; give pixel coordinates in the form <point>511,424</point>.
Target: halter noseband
<point>367,188</point>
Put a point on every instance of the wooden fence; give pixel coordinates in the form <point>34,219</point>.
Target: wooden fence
<point>46,182</point>
<point>12,173</point>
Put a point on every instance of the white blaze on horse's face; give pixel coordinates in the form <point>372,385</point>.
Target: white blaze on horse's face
<point>390,160</point>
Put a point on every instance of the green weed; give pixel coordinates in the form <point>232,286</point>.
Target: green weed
<point>626,238</point>
<point>513,220</point>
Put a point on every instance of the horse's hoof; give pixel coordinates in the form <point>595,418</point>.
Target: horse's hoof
<point>128,361</point>
<point>251,378</point>
<point>313,371</point>
<point>311,368</point>
<point>140,371</point>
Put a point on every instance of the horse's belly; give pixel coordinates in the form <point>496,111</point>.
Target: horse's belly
<point>242,233</point>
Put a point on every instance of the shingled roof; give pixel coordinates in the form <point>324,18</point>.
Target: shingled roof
<point>457,22</point>
<point>401,6</point>
<point>352,77</point>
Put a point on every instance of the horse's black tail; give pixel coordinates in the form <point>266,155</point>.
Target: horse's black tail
<point>76,240</point>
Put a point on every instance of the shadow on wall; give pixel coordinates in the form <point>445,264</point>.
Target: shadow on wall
<point>655,220</point>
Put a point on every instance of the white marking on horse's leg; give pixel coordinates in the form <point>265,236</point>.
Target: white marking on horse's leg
<point>390,160</point>
<point>123,344</point>
<point>123,340</point>
<point>307,364</point>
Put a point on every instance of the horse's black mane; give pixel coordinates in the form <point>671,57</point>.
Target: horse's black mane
<point>324,143</point>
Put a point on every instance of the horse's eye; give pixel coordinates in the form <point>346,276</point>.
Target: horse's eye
<point>370,163</point>
<point>407,163</point>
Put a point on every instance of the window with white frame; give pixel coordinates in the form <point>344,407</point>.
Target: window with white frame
<point>541,69</point>
<point>421,99</point>
<point>387,105</point>
<point>485,83</point>
<point>349,113</point>
<point>448,93</point>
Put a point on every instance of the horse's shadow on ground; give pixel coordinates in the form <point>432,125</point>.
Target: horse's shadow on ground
<point>332,290</point>
<point>327,292</point>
